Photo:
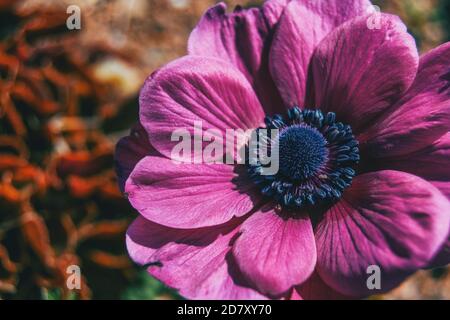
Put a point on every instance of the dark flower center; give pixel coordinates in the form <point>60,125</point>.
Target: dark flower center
<point>317,157</point>
<point>302,151</point>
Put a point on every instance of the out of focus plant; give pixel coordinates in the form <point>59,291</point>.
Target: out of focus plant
<point>147,288</point>
<point>59,201</point>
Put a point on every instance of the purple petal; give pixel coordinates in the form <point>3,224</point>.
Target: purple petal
<point>129,151</point>
<point>188,195</point>
<point>431,163</point>
<point>301,28</point>
<point>196,262</point>
<point>359,72</point>
<point>315,289</point>
<point>242,38</point>
<point>194,89</point>
<point>273,253</point>
<point>422,116</point>
<point>390,219</point>
<point>294,295</point>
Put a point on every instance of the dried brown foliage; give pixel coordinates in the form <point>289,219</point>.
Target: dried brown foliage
<point>59,200</point>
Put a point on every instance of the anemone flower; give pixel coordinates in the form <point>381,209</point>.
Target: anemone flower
<point>364,152</point>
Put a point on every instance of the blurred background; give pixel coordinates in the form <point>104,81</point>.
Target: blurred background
<point>66,97</point>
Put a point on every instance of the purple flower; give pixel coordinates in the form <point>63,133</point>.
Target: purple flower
<point>364,173</point>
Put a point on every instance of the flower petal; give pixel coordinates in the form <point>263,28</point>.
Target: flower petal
<point>188,195</point>
<point>294,295</point>
<point>431,163</point>
<point>390,219</point>
<point>242,38</point>
<point>196,262</point>
<point>194,89</point>
<point>273,253</point>
<point>129,151</point>
<point>360,72</point>
<point>315,289</point>
<point>301,28</point>
<point>422,116</point>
